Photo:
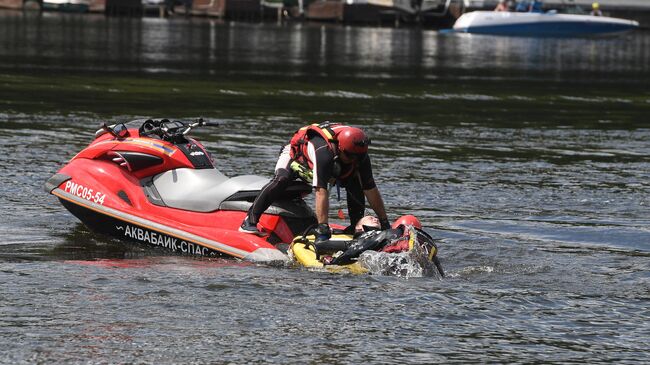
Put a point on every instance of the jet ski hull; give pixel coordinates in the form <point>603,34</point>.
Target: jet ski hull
<point>132,228</point>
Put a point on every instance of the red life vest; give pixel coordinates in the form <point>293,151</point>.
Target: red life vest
<point>329,132</point>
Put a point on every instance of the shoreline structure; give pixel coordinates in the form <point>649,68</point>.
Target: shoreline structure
<point>435,14</point>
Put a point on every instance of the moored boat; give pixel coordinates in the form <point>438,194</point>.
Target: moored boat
<point>550,24</point>
<point>73,6</point>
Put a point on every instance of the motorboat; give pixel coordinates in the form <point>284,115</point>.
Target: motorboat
<point>549,24</point>
<point>72,6</point>
<point>148,181</point>
<point>396,251</point>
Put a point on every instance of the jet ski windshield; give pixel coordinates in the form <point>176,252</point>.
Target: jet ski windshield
<point>119,131</point>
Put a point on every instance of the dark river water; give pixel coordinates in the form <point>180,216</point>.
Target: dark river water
<point>528,159</point>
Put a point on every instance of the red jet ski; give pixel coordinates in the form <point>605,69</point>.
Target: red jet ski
<point>148,181</point>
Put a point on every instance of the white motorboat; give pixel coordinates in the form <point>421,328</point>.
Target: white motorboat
<point>549,24</point>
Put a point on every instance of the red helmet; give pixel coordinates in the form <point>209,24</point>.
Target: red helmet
<point>353,141</point>
<point>407,220</point>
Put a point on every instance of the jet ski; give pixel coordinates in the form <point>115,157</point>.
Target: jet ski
<point>374,251</point>
<point>148,181</point>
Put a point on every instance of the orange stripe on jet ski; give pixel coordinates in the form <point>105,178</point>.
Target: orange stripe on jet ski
<point>144,142</point>
<point>151,144</point>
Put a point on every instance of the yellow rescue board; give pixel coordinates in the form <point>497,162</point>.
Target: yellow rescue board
<point>422,252</point>
<point>306,256</point>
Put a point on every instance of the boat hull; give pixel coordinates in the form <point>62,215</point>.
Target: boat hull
<point>540,25</point>
<point>128,230</point>
<point>129,227</point>
<point>70,6</point>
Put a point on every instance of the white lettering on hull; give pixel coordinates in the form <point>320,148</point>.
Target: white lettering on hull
<point>162,240</point>
<point>83,192</point>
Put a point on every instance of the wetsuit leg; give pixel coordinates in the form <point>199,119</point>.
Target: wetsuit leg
<point>355,199</point>
<point>269,193</point>
<point>274,188</point>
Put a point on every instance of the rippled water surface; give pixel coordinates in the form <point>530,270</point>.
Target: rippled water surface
<point>528,159</point>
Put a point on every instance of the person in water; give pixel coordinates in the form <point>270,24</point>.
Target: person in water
<point>366,223</point>
<point>323,154</point>
<point>370,237</point>
<point>404,235</point>
<point>595,10</point>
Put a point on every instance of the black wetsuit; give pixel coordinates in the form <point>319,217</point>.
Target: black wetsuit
<point>325,166</point>
<point>372,240</point>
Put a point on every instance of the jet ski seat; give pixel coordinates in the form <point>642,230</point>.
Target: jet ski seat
<point>202,190</point>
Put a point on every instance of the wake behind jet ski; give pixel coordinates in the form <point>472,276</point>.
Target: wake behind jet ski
<point>148,181</point>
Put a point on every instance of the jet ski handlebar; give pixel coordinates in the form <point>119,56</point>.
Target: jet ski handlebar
<point>172,130</point>
<point>199,123</point>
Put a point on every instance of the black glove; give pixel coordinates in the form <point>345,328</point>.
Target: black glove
<point>349,229</point>
<point>323,233</point>
<point>385,224</point>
